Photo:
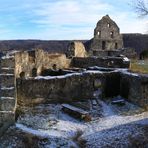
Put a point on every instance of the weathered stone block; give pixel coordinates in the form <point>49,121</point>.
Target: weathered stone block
<point>7,80</point>
<point>8,62</point>
<point>7,104</point>
<point>8,92</point>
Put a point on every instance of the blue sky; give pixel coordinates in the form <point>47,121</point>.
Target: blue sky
<point>64,19</point>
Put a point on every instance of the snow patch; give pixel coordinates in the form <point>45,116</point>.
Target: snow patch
<point>7,57</point>
<point>38,132</point>
<point>11,98</point>
<point>57,77</point>
<point>126,59</point>
<point>7,74</point>
<point>7,88</point>
<point>130,73</point>
<point>7,68</point>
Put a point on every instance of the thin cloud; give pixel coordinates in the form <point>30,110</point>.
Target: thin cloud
<point>69,12</point>
<point>64,19</point>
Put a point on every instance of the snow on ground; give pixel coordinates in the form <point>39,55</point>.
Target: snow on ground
<point>48,122</point>
<point>51,120</point>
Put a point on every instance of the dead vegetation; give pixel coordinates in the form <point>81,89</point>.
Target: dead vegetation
<point>139,67</point>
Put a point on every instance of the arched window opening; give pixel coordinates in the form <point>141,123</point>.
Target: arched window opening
<point>99,33</point>
<point>34,72</point>
<point>116,45</point>
<point>54,67</point>
<point>103,45</point>
<point>111,34</point>
<point>31,56</point>
<point>22,75</point>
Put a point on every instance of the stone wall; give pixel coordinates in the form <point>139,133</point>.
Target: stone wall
<point>71,87</point>
<point>7,93</point>
<point>38,60</point>
<point>112,62</point>
<point>80,86</point>
<point>33,63</point>
<point>128,52</point>
<point>134,87</point>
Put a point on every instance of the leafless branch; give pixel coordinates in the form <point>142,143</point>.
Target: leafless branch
<point>141,7</point>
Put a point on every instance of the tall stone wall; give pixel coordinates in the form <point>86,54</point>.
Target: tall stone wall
<point>7,93</point>
<point>106,35</point>
<point>29,61</point>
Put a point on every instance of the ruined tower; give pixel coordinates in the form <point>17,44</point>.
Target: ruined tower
<point>106,36</point>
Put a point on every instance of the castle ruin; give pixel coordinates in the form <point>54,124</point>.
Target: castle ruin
<point>106,36</point>
<point>37,76</point>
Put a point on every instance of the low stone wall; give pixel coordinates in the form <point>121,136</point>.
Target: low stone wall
<point>112,62</point>
<point>128,52</point>
<point>134,87</point>
<point>54,89</point>
<point>71,87</point>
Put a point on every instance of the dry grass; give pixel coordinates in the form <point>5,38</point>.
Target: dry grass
<point>140,67</point>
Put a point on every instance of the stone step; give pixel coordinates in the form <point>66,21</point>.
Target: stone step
<point>76,112</point>
<point>7,103</point>
<point>7,118</point>
<point>8,91</point>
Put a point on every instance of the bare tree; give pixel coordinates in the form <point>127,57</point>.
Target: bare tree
<point>141,7</point>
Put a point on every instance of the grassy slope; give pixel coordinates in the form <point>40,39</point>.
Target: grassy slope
<point>139,66</point>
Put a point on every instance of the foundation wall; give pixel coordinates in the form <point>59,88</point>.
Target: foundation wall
<point>68,88</point>
<point>75,87</point>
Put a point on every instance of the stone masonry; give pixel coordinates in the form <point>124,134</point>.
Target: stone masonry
<point>106,36</point>
<point>7,93</point>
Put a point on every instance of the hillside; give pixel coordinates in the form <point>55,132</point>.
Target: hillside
<point>137,41</point>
